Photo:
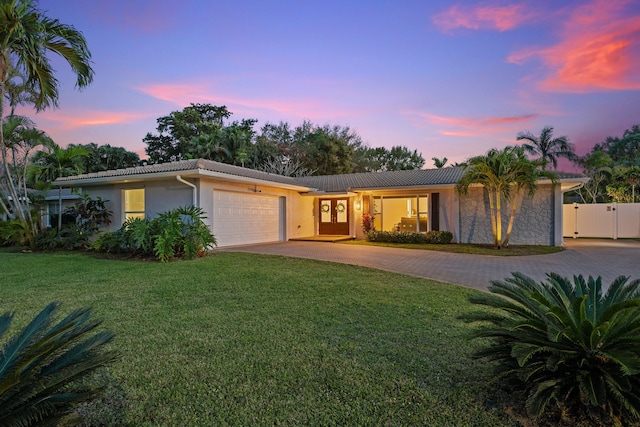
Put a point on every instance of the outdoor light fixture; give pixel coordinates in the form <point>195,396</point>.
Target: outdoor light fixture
<point>358,204</point>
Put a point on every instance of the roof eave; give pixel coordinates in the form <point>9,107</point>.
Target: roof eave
<point>188,173</point>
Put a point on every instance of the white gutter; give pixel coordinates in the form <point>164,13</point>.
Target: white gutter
<point>195,189</point>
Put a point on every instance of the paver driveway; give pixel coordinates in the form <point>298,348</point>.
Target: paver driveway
<point>606,258</point>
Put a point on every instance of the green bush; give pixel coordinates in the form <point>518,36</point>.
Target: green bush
<point>568,347</point>
<point>42,367</point>
<point>173,234</point>
<point>86,218</point>
<point>431,237</point>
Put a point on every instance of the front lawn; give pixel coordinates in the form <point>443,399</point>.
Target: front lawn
<point>244,339</point>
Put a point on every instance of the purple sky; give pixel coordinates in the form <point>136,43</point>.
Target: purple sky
<point>450,79</point>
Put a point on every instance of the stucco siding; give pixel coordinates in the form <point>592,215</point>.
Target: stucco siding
<point>534,220</point>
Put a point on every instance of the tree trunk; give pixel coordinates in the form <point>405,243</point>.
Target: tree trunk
<point>492,213</point>
<point>59,209</point>
<point>498,236</point>
<point>512,215</point>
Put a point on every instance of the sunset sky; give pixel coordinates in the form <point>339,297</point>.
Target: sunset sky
<point>450,79</point>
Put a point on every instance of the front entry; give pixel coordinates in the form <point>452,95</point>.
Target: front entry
<point>334,216</point>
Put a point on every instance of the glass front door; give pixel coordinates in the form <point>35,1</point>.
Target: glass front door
<point>334,218</point>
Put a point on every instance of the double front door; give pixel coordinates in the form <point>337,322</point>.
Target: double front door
<point>334,218</point>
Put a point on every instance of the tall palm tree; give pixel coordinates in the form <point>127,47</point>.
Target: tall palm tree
<point>548,148</point>
<point>55,162</point>
<point>501,172</point>
<point>26,37</point>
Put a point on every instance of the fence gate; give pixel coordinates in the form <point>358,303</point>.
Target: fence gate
<point>601,220</point>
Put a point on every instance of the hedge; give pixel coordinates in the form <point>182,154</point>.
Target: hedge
<point>433,237</point>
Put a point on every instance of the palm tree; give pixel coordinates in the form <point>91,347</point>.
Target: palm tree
<point>55,162</point>
<point>547,147</point>
<point>500,172</point>
<point>26,37</point>
<point>632,177</point>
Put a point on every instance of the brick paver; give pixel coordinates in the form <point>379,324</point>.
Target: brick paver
<point>606,258</point>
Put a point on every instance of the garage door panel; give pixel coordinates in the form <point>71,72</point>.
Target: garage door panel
<point>240,219</point>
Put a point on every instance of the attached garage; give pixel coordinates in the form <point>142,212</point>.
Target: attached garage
<point>245,218</point>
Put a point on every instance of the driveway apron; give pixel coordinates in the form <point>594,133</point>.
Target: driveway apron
<point>606,258</point>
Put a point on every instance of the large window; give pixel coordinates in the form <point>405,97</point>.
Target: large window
<point>401,213</point>
<point>134,203</point>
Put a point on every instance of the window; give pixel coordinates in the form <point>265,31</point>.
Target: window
<point>134,203</point>
<point>408,214</point>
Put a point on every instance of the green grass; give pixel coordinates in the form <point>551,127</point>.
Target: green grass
<point>464,248</point>
<point>243,339</point>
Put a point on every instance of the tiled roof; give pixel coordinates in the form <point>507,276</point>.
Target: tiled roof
<point>185,166</point>
<point>328,183</point>
<point>392,179</point>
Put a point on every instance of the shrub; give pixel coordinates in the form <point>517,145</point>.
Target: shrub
<point>41,368</point>
<point>177,233</point>
<point>566,344</point>
<point>87,216</point>
<point>367,223</point>
<point>431,237</point>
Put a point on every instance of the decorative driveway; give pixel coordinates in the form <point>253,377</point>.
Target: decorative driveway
<point>606,258</point>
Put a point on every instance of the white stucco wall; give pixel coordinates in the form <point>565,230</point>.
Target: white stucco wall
<point>534,221</point>
<point>298,213</point>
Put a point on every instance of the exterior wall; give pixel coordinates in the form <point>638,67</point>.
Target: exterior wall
<point>299,210</point>
<point>533,224</point>
<point>160,196</point>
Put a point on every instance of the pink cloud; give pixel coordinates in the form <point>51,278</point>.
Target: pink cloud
<point>501,18</point>
<point>183,94</point>
<point>76,119</point>
<point>599,49</point>
<point>470,126</point>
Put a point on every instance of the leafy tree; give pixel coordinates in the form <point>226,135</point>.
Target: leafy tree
<point>624,151</point>
<point>380,159</point>
<point>26,37</point>
<point>500,172</point>
<point>328,151</point>
<point>106,157</point>
<point>569,345</point>
<point>548,148</point>
<point>176,130</point>
<point>41,367</point>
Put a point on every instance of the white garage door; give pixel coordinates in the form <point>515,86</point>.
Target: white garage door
<point>241,219</point>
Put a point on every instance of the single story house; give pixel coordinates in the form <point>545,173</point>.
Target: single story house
<point>246,206</point>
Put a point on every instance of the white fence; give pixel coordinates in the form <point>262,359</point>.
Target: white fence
<point>604,220</point>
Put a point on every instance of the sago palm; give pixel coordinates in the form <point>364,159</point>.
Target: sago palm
<point>571,344</point>
<point>40,367</point>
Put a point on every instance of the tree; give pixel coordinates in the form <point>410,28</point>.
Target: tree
<point>177,130</point>
<point>55,162</point>
<point>500,172</point>
<point>106,157</point>
<point>21,140</point>
<point>439,163</point>
<point>548,148</point>
<point>26,37</point>
<point>379,159</point>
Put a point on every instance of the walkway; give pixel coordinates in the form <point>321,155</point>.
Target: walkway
<point>606,258</point>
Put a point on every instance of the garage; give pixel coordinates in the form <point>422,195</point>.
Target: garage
<point>246,218</point>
